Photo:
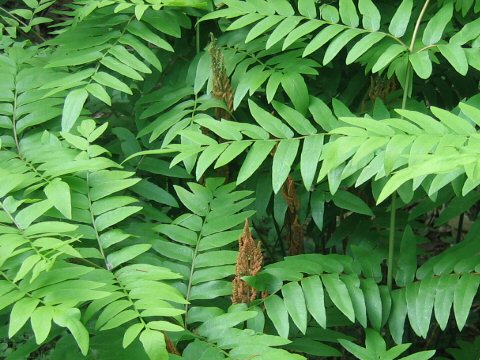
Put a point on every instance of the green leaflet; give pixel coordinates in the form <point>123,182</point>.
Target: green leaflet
<point>465,291</point>
<point>421,63</point>
<point>363,46</point>
<point>348,13</point>
<point>311,151</point>
<point>456,56</point>
<point>269,122</point>
<point>434,29</point>
<point>282,161</point>
<point>73,106</point>
<point>295,304</point>
<point>399,23</point>
<point>255,157</point>
<point>154,344</point>
<point>314,298</point>
<point>58,192</point>
<point>277,312</point>
<point>324,36</point>
<point>338,293</point>
<point>371,15</point>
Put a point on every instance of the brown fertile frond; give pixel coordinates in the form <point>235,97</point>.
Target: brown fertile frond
<point>249,263</point>
<point>293,226</point>
<point>221,89</point>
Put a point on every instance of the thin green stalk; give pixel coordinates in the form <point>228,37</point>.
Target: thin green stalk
<point>391,242</point>
<point>197,37</point>
<point>406,92</point>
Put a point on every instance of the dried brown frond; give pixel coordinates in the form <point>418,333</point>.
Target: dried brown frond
<point>221,87</point>
<point>249,263</point>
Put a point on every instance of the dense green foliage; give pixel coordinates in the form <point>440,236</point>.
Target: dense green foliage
<point>136,137</point>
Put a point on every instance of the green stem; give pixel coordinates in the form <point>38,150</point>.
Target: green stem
<point>391,242</point>
<point>406,92</point>
<point>197,37</point>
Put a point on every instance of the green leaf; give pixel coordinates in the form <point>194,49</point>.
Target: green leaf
<point>269,122</point>
<point>363,46</point>
<point>143,31</point>
<point>307,8</point>
<point>207,157</point>
<point>58,192</point>
<point>73,106</point>
<point>465,292</point>
<point>373,302</point>
<point>282,162</point>
<point>20,313</point>
<point>348,13</point>
<point>296,120</point>
<point>196,204</point>
<point>294,85</point>
<point>322,114</point>
<point>358,299</point>
<point>339,43</point>
<point>388,56</point>
<point>120,68</point>
<point>407,258</point>
<point>399,23</point>
<point>32,212</point>
<point>277,312</point>
<point>324,36</point>
<point>360,352</point>
<point>69,318</point>
<point>435,26</point>
<point>422,355</point>
<point>444,299</point>
<point>41,320</point>
<point>338,293</point>
<point>131,334</point>
<point>312,149</point>
<point>456,56</point>
<point>262,26</point>
<point>425,301</point>
<point>99,92</point>
<point>295,304</point>
<point>231,152</point>
<point>314,298</point>
<point>422,64</point>
<point>127,253</point>
<point>396,321</point>
<point>112,82</point>
<point>302,30</point>
<point>255,157</point>
<point>115,216</point>
<point>346,200</point>
<point>371,15</point>
<point>154,344</point>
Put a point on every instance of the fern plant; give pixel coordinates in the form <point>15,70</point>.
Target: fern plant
<point>248,179</point>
